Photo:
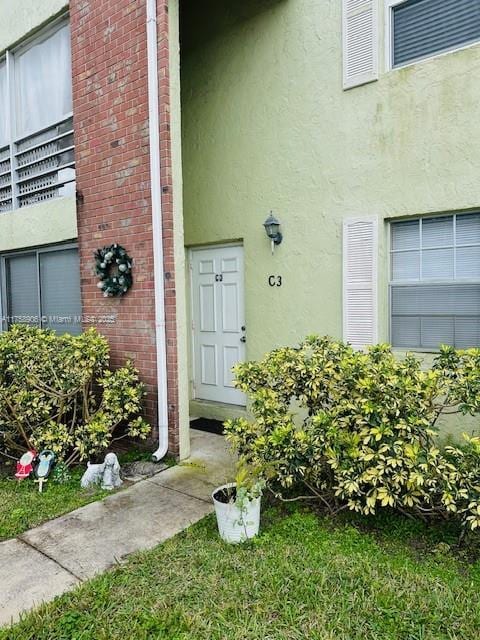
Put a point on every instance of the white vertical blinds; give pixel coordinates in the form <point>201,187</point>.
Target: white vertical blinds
<point>435,282</point>
<point>3,105</point>
<point>360,247</point>
<point>360,42</point>
<point>43,82</point>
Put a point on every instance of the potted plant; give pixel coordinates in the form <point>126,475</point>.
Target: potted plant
<point>237,505</point>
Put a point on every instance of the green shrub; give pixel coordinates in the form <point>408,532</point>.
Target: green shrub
<point>56,392</point>
<point>357,430</point>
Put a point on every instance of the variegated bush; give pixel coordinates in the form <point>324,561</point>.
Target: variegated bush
<point>57,392</point>
<point>357,429</point>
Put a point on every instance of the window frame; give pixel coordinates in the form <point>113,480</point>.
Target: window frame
<point>388,28</point>
<point>13,138</point>
<point>4,60</point>
<point>36,251</point>
<point>419,281</point>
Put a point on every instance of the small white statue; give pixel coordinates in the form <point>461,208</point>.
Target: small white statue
<point>111,472</point>
<point>108,473</point>
<point>92,475</point>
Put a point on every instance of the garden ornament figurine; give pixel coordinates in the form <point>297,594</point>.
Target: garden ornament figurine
<point>108,473</point>
<point>92,475</point>
<point>46,460</point>
<point>111,472</point>
<point>25,464</point>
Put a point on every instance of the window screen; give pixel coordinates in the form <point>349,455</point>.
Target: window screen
<point>424,27</point>
<point>43,289</point>
<point>435,282</point>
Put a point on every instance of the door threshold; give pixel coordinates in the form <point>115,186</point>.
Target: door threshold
<point>216,410</point>
<point>217,403</point>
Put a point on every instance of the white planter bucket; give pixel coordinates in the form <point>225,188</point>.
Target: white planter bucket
<point>234,525</point>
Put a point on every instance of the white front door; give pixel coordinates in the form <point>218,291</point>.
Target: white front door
<point>219,331</point>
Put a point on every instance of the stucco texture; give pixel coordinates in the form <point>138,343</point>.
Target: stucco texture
<point>19,18</point>
<point>267,126</point>
<point>44,223</point>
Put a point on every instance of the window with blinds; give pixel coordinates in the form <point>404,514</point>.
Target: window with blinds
<point>435,282</point>
<point>42,288</point>
<point>421,28</point>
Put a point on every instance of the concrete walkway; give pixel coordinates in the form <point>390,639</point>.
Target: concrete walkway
<point>60,554</point>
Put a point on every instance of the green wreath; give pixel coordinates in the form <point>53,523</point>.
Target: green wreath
<point>118,282</point>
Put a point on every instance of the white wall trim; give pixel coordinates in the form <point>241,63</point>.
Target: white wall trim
<point>191,331</point>
<point>388,31</point>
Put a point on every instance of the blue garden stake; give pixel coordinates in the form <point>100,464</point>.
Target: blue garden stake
<point>46,459</point>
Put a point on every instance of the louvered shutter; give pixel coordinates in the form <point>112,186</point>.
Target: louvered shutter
<point>360,247</point>
<point>360,42</point>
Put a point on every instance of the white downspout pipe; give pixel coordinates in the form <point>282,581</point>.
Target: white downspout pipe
<point>157,230</point>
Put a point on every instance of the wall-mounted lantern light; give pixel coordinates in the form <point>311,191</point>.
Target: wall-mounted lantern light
<point>272,228</point>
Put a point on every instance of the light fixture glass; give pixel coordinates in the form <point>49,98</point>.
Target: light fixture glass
<point>272,229</point>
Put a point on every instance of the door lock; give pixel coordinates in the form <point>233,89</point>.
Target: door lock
<point>219,277</point>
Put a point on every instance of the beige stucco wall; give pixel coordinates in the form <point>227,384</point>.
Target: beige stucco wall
<point>55,220</point>
<point>43,223</point>
<point>19,18</point>
<point>266,125</point>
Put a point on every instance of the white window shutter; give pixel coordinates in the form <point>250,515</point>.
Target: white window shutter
<point>360,249</point>
<point>360,42</point>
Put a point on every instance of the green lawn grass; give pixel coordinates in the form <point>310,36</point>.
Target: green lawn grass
<point>304,577</point>
<point>23,507</point>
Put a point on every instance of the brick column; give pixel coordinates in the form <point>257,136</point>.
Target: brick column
<point>110,104</point>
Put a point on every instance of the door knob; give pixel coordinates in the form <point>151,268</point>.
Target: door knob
<point>243,339</point>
